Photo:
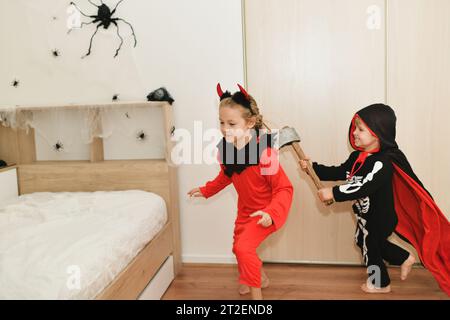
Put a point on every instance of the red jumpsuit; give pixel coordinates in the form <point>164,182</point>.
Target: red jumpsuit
<point>264,187</point>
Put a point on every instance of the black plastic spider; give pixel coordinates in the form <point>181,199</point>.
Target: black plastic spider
<point>141,136</point>
<point>58,146</point>
<point>15,83</point>
<point>55,53</point>
<point>115,97</point>
<point>3,117</point>
<point>104,16</point>
<point>160,94</point>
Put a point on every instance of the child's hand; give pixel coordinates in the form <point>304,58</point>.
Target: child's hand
<point>325,194</point>
<point>266,219</point>
<point>304,163</point>
<point>195,193</point>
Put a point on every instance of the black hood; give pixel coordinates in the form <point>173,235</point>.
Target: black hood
<point>381,121</point>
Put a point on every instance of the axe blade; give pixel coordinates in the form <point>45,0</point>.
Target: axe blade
<point>287,136</point>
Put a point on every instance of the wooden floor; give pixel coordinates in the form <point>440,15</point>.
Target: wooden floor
<point>294,281</point>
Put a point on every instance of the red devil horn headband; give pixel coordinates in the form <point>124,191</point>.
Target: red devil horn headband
<point>222,95</point>
<point>243,90</point>
<point>219,90</point>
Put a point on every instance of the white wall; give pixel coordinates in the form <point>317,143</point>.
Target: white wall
<point>186,46</point>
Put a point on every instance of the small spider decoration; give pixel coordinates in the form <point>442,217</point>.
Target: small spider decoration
<point>172,130</point>
<point>55,53</point>
<point>141,136</point>
<point>115,97</point>
<point>58,146</point>
<point>3,117</point>
<point>105,19</point>
<point>15,83</point>
<point>127,115</point>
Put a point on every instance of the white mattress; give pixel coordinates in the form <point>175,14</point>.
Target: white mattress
<point>72,245</point>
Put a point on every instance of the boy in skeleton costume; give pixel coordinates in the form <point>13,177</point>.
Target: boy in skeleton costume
<point>387,197</point>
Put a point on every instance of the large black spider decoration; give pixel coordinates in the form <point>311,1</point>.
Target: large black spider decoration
<point>104,17</point>
<point>58,146</point>
<point>15,83</point>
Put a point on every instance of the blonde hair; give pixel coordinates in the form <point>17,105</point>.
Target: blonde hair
<point>246,113</point>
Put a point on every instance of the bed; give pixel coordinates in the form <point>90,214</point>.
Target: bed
<point>60,221</point>
<point>69,245</point>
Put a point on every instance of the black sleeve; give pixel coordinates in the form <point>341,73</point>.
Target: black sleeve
<point>378,171</point>
<point>335,173</point>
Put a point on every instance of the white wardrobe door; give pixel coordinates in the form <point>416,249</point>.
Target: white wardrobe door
<point>312,64</point>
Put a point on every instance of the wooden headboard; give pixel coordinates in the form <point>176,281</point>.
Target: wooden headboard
<point>73,176</point>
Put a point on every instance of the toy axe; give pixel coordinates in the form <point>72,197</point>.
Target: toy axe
<point>289,137</point>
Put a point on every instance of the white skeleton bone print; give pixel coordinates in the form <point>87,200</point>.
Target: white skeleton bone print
<point>355,184</point>
<point>362,228</point>
<point>362,205</point>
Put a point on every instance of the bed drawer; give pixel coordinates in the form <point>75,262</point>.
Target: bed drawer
<point>160,282</point>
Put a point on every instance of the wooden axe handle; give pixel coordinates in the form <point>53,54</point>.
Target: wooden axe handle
<point>309,169</point>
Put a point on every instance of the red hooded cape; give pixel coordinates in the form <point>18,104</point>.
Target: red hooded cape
<point>424,225</point>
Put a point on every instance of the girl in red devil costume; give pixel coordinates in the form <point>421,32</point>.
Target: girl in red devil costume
<point>388,197</point>
<point>248,161</point>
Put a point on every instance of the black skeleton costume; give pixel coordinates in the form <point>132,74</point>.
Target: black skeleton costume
<point>371,189</point>
<point>369,185</point>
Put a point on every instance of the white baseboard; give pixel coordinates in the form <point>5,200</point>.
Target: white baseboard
<point>226,259</point>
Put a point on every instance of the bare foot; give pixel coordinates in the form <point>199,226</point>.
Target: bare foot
<point>370,288</point>
<point>265,282</point>
<point>407,266</point>
<point>244,289</point>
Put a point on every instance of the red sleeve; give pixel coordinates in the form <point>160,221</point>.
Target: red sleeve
<point>282,190</point>
<point>214,186</point>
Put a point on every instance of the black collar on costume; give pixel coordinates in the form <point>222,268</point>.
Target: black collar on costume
<point>237,160</point>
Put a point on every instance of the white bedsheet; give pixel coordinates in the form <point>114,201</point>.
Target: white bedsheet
<point>71,245</point>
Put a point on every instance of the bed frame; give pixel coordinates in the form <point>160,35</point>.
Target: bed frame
<point>159,176</point>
